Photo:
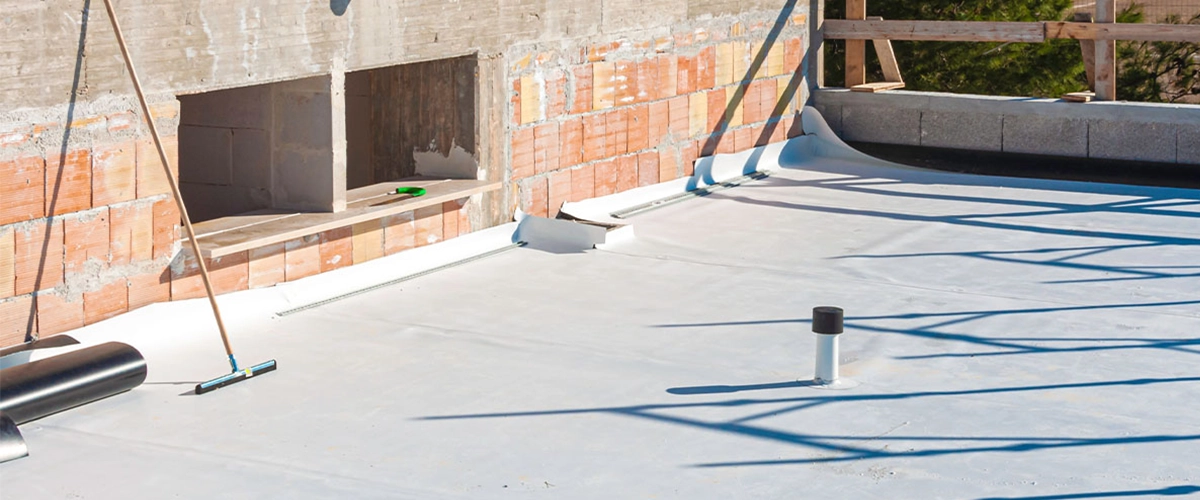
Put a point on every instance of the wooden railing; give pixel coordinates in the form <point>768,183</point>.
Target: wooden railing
<point>856,29</point>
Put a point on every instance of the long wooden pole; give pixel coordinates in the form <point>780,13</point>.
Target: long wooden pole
<point>1106,54</point>
<point>856,50</point>
<point>162,156</point>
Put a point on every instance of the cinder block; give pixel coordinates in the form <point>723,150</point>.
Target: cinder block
<point>582,102</point>
<point>450,219</point>
<point>583,182</point>
<point>367,241</point>
<point>647,168</point>
<point>85,237</point>
<point>266,266</point>
<point>883,125</point>
<point>252,158</point>
<point>638,127</point>
<point>607,173</point>
<point>247,107</point>
<point>23,189</point>
<point>428,224</point>
<point>1045,135</point>
<point>974,131</point>
<point>131,232</point>
<point>616,140</point>
<point>149,288</point>
<point>546,147</point>
<point>570,140</point>
<point>39,256</point>
<point>18,320</point>
<point>594,137</point>
<point>1124,140</point>
<point>559,191</point>
<point>399,233</point>
<point>627,172</point>
<point>114,174</point>
<point>523,153</point>
<point>1189,144</point>
<point>8,261</point>
<point>207,155</point>
<point>337,248</point>
<point>69,182</point>
<point>658,124</point>
<point>668,167</point>
<point>57,314</point>
<point>705,69</point>
<point>110,300</point>
<point>150,177</point>
<point>302,257</point>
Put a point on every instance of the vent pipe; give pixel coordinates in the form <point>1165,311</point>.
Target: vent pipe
<point>827,325</point>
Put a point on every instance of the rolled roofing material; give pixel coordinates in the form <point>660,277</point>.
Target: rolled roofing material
<point>12,445</point>
<point>39,388</point>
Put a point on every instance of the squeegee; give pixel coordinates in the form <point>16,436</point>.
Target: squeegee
<point>236,374</point>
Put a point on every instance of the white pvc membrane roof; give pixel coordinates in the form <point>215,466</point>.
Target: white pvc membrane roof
<point>1009,339</point>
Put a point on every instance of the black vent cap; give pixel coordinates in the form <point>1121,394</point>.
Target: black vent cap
<point>827,320</point>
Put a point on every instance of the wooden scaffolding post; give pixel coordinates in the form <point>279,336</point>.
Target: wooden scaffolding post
<point>1106,54</point>
<point>856,50</point>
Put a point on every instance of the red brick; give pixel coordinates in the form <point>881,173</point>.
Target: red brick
<point>57,314</point>
<point>23,190</point>
<point>761,135</point>
<point>594,137</point>
<point>556,94</point>
<point>743,138</point>
<point>69,182</point>
<point>8,257</point>
<point>752,103</point>
<point>686,72</point>
<point>706,68</point>
<point>523,153</point>
<point>367,240</point>
<point>707,145</point>
<point>464,219</point>
<point>228,273</point>
<point>778,130</point>
<point>793,127</point>
<point>677,117</point>
<point>86,238</point>
<point>616,140</point>
<point>625,83</point>
<point>604,85</point>
<point>39,256</point>
<point>18,320</point>
<point>660,122</point>
<point>647,80</point>
<point>687,154</point>
<point>793,55</point>
<point>166,226</point>
<point>606,177</point>
<point>450,219</point>
<point>399,233</point>
<point>150,177</point>
<point>302,257</point>
<point>114,174</point>
<point>337,248</point>
<point>668,77</point>
<point>627,172</point>
<point>149,288</point>
<point>769,98</point>
<point>583,183</point>
<point>716,110</point>
<point>535,196</point>
<point>514,100</point>
<point>559,191</point>
<point>131,232</point>
<point>546,143</point>
<point>668,166</point>
<point>428,224</point>
<point>638,137</point>
<point>648,168</point>
<point>110,300</point>
<point>582,102</point>
<point>266,266</point>
<point>726,143</point>
<point>570,138</point>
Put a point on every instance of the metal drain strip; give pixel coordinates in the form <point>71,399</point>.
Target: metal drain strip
<point>695,193</point>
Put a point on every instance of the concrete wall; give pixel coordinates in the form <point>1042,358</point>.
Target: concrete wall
<point>1163,133</point>
<point>225,151</point>
<point>88,229</point>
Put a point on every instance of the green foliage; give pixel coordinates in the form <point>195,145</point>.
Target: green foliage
<point>1158,71</point>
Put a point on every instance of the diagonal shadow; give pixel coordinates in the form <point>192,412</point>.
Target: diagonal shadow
<point>1183,489</point>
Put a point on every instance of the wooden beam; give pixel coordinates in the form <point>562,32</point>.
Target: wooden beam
<point>887,57</point>
<point>1124,31</point>
<point>1089,51</point>
<point>877,86</point>
<point>945,31</point>
<point>1106,54</point>
<point>856,50</point>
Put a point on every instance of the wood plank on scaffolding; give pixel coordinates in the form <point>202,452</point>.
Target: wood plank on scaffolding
<point>887,57</point>
<point>877,86</point>
<point>856,50</point>
<point>945,31</point>
<point>1089,50</point>
<point>1106,54</point>
<point>1123,31</point>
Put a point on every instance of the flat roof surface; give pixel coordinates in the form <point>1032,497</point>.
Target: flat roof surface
<point>1010,338</point>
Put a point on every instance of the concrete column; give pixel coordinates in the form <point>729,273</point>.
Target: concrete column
<point>309,161</point>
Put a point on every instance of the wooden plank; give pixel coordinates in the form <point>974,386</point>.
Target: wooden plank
<point>1124,31</point>
<point>297,225</point>
<point>877,86</point>
<point>887,57</point>
<point>946,31</point>
<point>1089,50</point>
<point>856,50</point>
<point>1078,96</point>
<point>1106,54</point>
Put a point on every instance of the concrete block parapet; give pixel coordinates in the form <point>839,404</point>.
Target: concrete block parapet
<point>1150,132</point>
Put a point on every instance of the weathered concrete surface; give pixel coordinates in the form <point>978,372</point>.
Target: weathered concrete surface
<point>890,125</point>
<point>1045,135</point>
<point>962,130</point>
<point>1188,143</point>
<point>1120,140</point>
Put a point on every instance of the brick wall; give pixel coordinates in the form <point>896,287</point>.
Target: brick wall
<point>604,118</point>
